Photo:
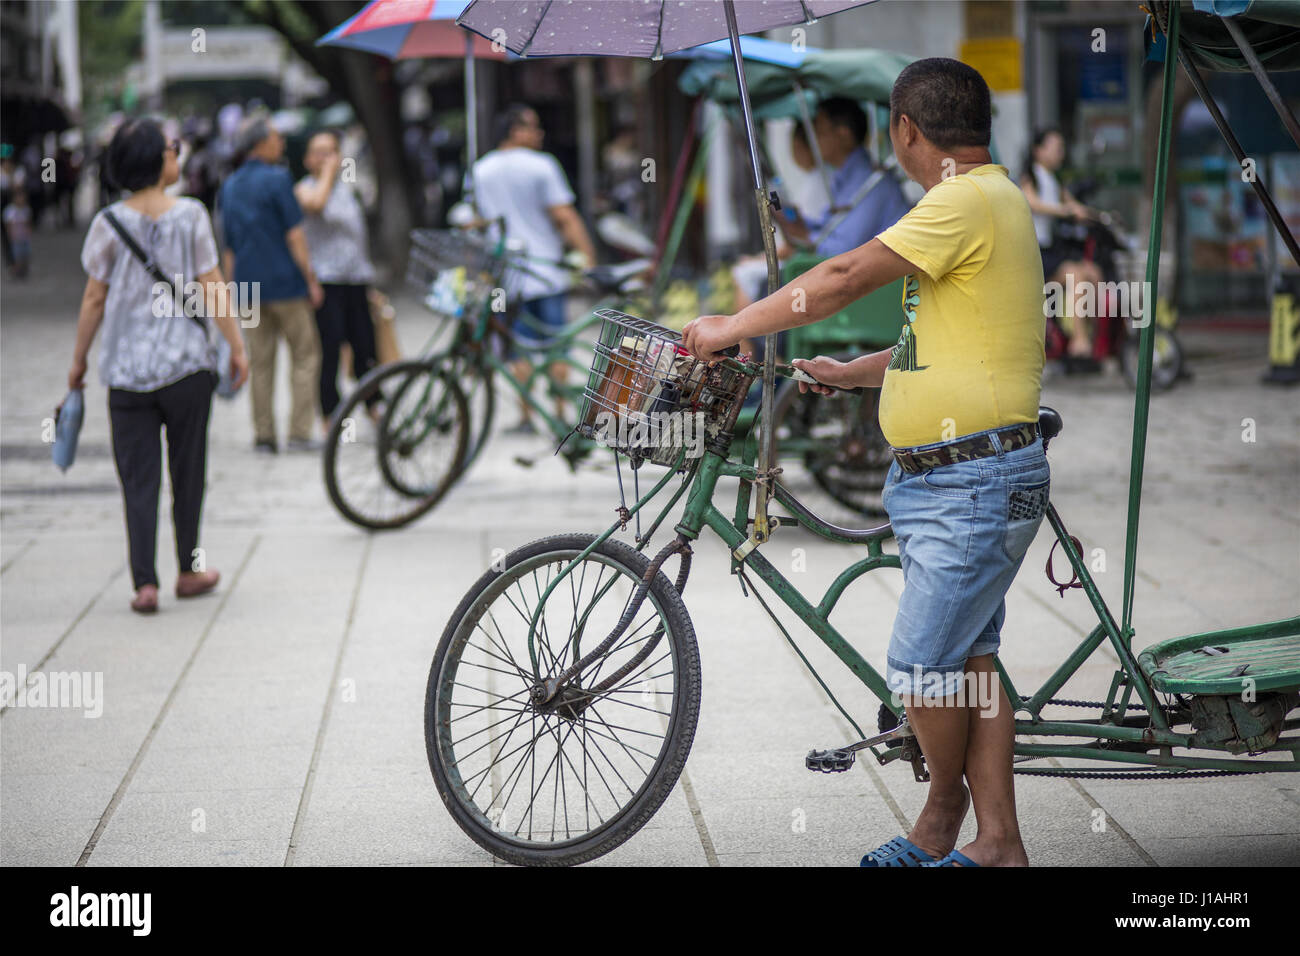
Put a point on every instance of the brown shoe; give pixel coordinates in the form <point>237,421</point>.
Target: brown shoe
<point>146,600</point>
<point>193,583</point>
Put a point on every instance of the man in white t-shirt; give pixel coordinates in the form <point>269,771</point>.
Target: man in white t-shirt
<point>526,188</point>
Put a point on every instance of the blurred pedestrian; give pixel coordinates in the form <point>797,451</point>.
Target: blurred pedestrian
<point>158,363</point>
<point>11,178</point>
<point>265,244</point>
<point>335,225</point>
<point>1049,202</point>
<point>527,188</point>
<point>18,227</point>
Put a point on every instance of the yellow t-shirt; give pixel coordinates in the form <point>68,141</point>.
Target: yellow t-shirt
<point>970,356</point>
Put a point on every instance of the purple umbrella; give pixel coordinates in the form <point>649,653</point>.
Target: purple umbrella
<point>655,28</point>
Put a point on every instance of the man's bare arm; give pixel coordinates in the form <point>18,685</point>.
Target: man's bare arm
<point>574,231</point>
<point>822,291</point>
<point>296,240</point>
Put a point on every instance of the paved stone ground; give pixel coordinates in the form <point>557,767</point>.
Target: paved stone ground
<point>227,711</point>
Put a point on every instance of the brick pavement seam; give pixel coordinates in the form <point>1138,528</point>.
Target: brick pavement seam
<point>304,800</point>
<point>1088,798</point>
<point>697,816</point>
<point>120,792</point>
<point>21,551</point>
<point>70,628</point>
<point>849,732</point>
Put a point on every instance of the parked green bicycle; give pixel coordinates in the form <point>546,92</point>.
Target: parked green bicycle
<point>411,429</point>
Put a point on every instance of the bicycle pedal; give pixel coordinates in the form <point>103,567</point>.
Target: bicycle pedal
<point>829,761</point>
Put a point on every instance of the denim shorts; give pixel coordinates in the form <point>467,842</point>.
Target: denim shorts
<point>962,531</point>
<point>538,321</point>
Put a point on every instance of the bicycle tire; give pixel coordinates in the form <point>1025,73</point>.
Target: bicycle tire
<point>409,503</point>
<point>447,773</point>
<point>1166,360</point>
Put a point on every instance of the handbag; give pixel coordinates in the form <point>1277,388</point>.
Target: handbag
<point>225,383</point>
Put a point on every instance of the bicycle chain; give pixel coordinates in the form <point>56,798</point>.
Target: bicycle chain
<point>1128,774</point>
<point>1088,703</point>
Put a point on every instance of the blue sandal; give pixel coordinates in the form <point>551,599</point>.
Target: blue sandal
<point>955,858</point>
<point>899,851</point>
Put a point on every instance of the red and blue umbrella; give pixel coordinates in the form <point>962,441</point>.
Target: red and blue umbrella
<point>409,29</point>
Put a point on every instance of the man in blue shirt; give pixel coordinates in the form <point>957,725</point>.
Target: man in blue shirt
<point>261,227</point>
<point>865,201</point>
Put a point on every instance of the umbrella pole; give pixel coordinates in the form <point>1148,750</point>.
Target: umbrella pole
<point>471,118</point>
<point>764,481</point>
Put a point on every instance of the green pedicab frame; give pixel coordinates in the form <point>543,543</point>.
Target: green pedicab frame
<point>1127,731</point>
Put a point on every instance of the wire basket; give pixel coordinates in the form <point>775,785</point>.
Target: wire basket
<point>649,398</point>
<point>457,269</point>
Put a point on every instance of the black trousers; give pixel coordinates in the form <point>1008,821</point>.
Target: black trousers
<point>136,418</point>
<point>344,316</point>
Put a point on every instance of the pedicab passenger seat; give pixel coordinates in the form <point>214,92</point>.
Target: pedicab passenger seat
<point>872,322</point>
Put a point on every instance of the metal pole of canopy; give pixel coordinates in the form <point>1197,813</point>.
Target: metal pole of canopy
<point>1247,51</point>
<point>1146,341</point>
<point>773,280</point>
<point>1257,181</point>
<point>471,117</point>
<point>806,120</point>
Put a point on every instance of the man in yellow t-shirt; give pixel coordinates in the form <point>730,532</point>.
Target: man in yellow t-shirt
<point>969,485</point>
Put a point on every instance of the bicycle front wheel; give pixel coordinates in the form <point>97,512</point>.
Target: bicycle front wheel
<point>567,780</point>
<point>396,445</point>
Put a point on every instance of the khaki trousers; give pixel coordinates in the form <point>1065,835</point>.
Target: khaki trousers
<point>294,320</point>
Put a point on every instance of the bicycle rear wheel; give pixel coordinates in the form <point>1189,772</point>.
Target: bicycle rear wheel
<point>839,441</point>
<point>568,780</point>
<point>396,445</point>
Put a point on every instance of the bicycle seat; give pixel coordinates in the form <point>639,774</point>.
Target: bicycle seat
<point>1049,423</point>
<point>611,278</point>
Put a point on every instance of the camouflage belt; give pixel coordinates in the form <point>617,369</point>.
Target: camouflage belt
<point>966,449</point>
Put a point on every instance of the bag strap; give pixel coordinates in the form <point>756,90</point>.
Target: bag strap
<point>144,259</point>
<point>1074,581</point>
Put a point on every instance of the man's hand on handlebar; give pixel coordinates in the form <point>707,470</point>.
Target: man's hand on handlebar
<point>828,372</point>
<point>707,336</point>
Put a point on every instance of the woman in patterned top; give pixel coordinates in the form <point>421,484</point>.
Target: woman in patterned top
<point>156,358</point>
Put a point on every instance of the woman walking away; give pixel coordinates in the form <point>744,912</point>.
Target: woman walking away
<point>335,226</point>
<point>157,358</point>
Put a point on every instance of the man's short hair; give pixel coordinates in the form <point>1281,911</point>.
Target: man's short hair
<point>842,111</point>
<point>507,120</point>
<point>947,100</point>
<point>250,135</point>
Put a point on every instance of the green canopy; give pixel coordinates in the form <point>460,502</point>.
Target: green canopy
<point>864,75</point>
<point>1271,27</point>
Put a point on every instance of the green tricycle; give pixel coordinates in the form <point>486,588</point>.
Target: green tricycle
<point>563,697</point>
